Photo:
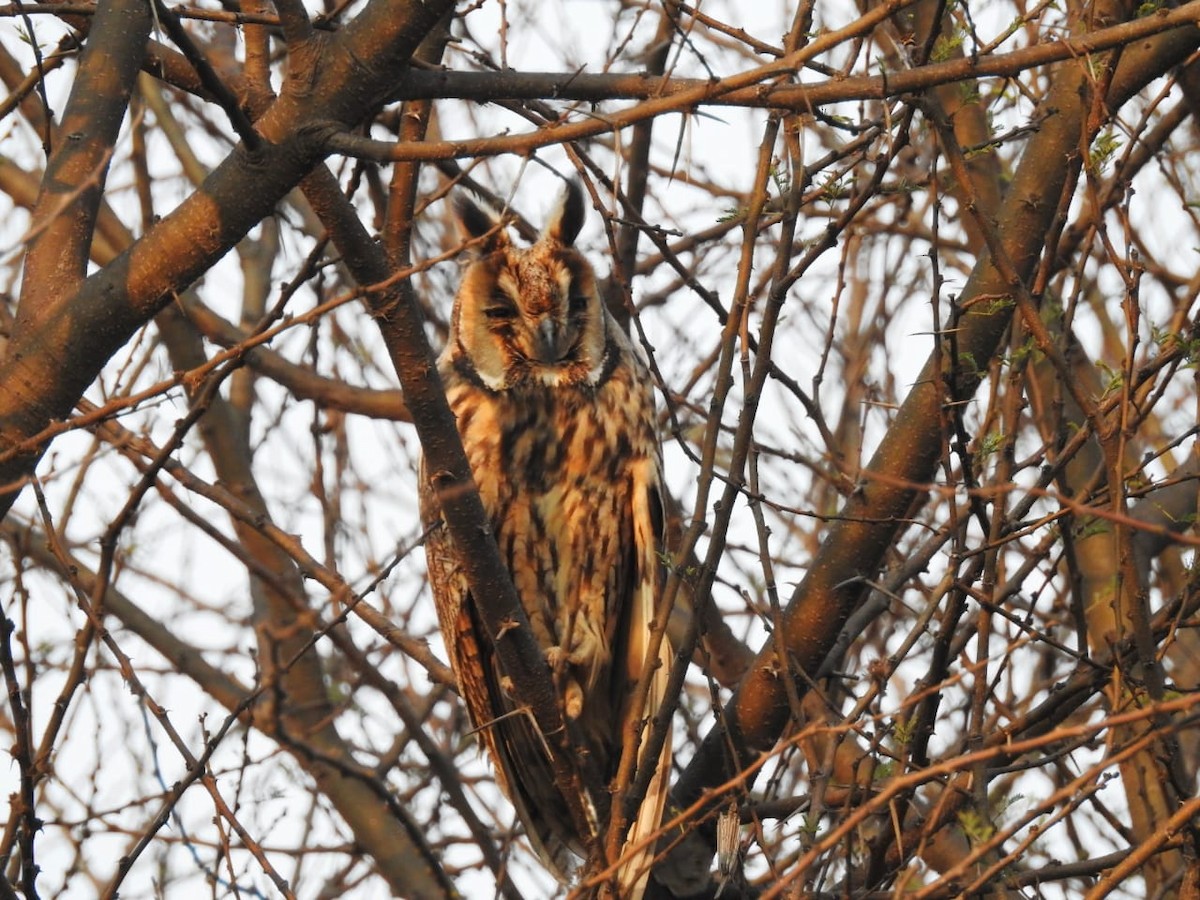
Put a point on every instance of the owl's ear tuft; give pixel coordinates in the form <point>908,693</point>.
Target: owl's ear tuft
<point>566,220</point>
<point>475,222</point>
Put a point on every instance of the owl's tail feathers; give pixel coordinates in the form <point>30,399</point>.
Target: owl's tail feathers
<point>547,833</point>
<point>638,852</point>
<point>644,627</point>
<point>527,778</point>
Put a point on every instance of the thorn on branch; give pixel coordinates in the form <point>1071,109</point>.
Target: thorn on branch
<point>506,626</point>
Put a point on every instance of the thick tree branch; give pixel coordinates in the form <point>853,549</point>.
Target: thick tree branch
<point>340,78</point>
<point>65,213</point>
<point>589,87</point>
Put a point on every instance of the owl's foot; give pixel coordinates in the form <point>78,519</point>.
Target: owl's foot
<point>572,692</point>
<point>573,699</point>
<point>588,650</point>
<point>557,658</point>
<point>585,654</point>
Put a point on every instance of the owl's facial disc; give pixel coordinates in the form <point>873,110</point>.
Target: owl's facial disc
<point>531,317</point>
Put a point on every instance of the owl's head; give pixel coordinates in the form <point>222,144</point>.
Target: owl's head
<point>529,316</point>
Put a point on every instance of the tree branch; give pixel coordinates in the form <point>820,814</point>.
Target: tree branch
<point>904,463</point>
<point>338,78</point>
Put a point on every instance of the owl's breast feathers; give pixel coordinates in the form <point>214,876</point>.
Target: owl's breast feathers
<point>557,470</point>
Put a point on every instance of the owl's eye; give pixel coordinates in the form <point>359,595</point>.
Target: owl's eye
<point>578,302</point>
<point>500,308</point>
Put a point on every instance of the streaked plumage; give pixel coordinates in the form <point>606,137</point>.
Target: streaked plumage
<point>556,412</point>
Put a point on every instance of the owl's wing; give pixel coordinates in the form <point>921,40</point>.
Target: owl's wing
<point>523,768</point>
<point>642,593</point>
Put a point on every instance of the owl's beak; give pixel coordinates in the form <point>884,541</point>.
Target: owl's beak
<point>550,343</point>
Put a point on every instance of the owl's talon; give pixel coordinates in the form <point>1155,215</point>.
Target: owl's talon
<point>587,655</point>
<point>557,658</point>
<point>573,699</point>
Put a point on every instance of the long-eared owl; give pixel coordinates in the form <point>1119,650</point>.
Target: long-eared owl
<point>556,413</point>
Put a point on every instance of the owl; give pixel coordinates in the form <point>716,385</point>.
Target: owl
<point>556,414</point>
